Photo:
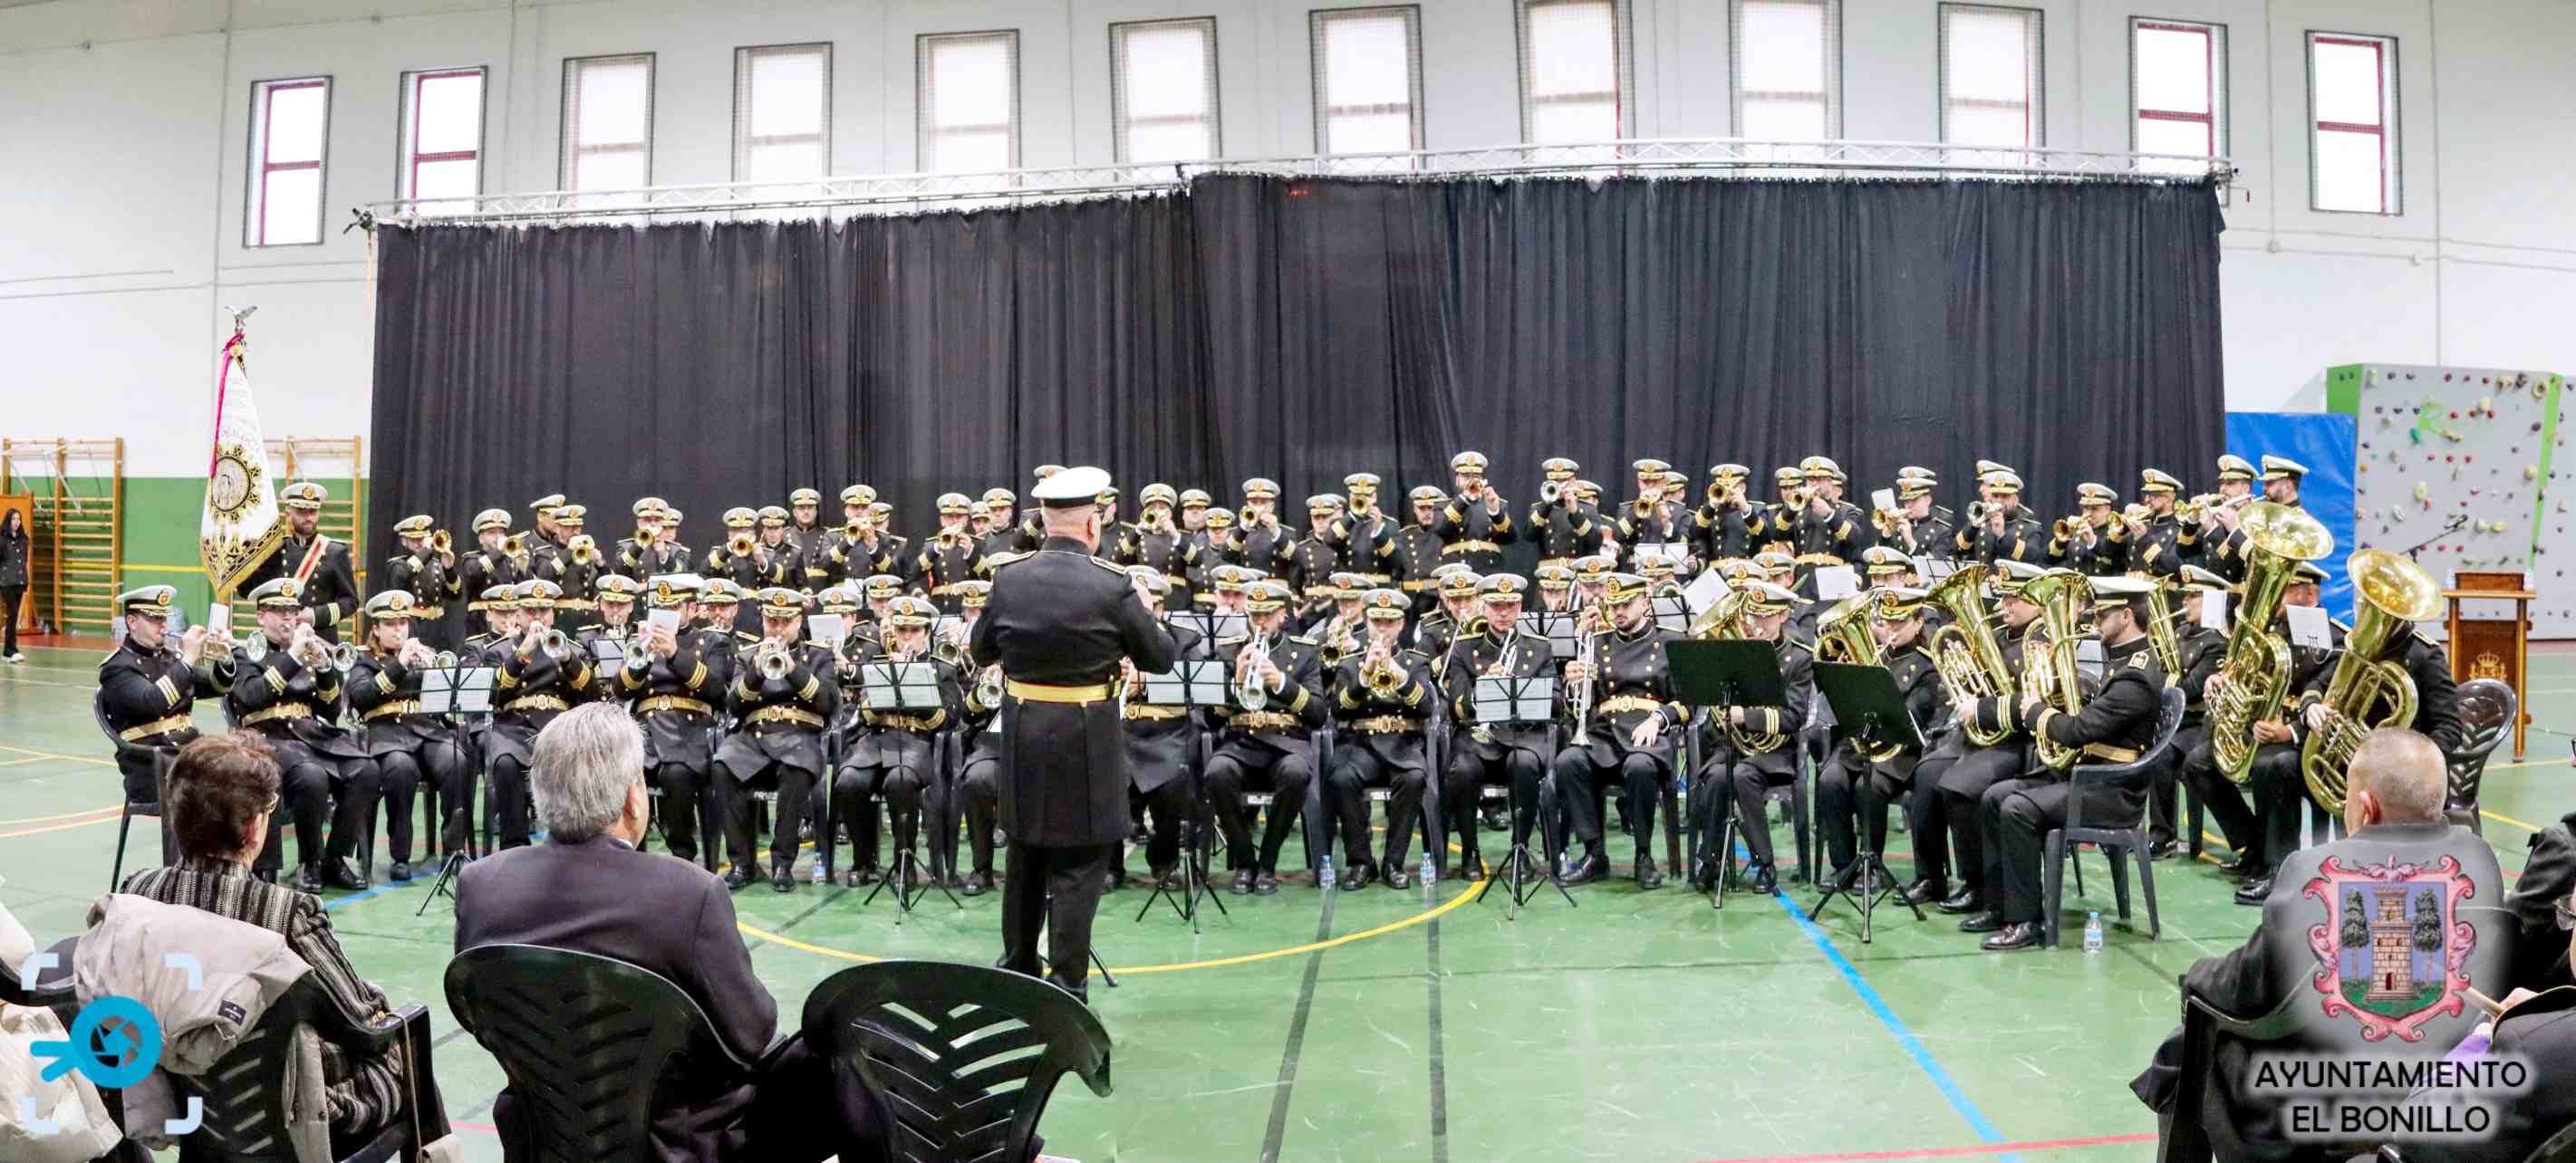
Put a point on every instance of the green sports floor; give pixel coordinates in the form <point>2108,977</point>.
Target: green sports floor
<point>1384,1025</point>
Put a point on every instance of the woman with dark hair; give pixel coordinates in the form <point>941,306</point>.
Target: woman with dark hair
<point>15,555</point>
<point>221,793</point>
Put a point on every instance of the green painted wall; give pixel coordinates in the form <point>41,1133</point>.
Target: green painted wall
<point>161,519</point>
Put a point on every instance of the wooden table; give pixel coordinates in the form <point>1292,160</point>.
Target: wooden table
<point>2496,648</point>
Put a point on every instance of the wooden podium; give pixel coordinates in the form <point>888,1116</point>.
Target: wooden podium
<point>2496,648</point>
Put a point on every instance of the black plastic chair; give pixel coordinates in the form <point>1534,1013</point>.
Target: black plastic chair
<point>585,1041</point>
<point>247,1099</point>
<point>965,1056</point>
<point>161,761</point>
<point>2488,710</point>
<point>2125,789</point>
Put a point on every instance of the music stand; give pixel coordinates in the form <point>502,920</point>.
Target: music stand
<point>1672,612</point>
<point>610,653</point>
<point>1872,711</point>
<point>463,691</point>
<point>902,686</point>
<point>1504,699</point>
<point>1563,630</point>
<point>1190,683</point>
<point>1718,673</point>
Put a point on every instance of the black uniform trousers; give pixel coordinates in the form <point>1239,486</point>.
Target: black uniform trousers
<point>2281,802</point>
<point>1061,887</point>
<point>1742,782</point>
<point>979,787</point>
<point>1962,780</point>
<point>792,783</point>
<point>2163,821</point>
<point>314,788</point>
<point>401,773</point>
<point>1515,766</point>
<point>2020,813</point>
<point>2221,798</point>
<point>683,787</point>
<point>903,780</point>
<point>1355,770</point>
<point>1851,788</point>
<point>1579,781</point>
<point>1927,822</point>
<point>1237,766</point>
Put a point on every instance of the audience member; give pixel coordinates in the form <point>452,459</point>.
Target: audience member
<point>2540,1029</point>
<point>589,890</point>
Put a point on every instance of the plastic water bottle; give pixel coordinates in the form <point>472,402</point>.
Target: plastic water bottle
<point>820,874</point>
<point>2093,932</point>
<point>1430,872</point>
<point>1324,877</point>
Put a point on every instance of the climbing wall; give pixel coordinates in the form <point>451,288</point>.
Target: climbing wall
<point>2474,462</point>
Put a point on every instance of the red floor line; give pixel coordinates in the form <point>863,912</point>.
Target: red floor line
<point>1943,1152</point>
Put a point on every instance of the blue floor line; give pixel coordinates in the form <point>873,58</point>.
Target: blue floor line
<point>1905,1038</point>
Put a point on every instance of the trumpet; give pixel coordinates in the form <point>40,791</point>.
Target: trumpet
<point>774,663</point>
<point>2067,526</point>
<point>1885,520</point>
<point>512,546</point>
<point>1549,492</point>
<point>741,545</point>
<point>441,543</point>
<point>1245,517</point>
<point>988,687</point>
<point>342,656</point>
<point>1250,692</point>
<point>583,550</point>
<point>1378,668</point>
<point>1977,512</point>
<point>557,644</point>
<point>854,529</point>
<point>444,660</point>
<point>644,537</point>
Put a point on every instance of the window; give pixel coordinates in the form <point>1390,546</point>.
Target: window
<point>782,112</point>
<point>442,134</point>
<point>969,101</point>
<point>1990,76</point>
<point>2178,79</point>
<point>1162,89</point>
<point>290,129</point>
<point>1788,70</point>
<point>608,123</point>
<point>1574,71</point>
<point>1368,79</point>
<point>2352,116</point>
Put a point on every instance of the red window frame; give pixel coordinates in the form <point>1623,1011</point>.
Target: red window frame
<point>411,177</point>
<point>2208,120</point>
<point>2379,92</point>
<point>268,129</point>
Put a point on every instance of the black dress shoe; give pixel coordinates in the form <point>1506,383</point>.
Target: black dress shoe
<point>1167,876</point>
<point>1242,882</point>
<point>1113,880</point>
<point>868,874</point>
<point>2163,849</point>
<point>2247,863</point>
<point>2253,892</point>
<point>1471,866</point>
<point>849,878</point>
<point>1265,883</point>
<point>1841,878</point>
<point>1357,878</point>
<point>1648,876</point>
<point>401,871</point>
<point>309,879</point>
<point>1963,902</point>
<point>1765,881</point>
<point>337,874</point>
<point>735,878</point>
<point>1397,877</point>
<point>782,877</point>
<point>1590,867</point>
<point>1986,922</point>
<point>1924,891</point>
<point>1703,874</point>
<point>2017,935</point>
<point>978,883</point>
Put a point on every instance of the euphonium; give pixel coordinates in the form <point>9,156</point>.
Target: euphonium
<point>2160,635</point>
<point>2048,654</point>
<point>1842,634</point>
<point>1719,619</point>
<point>2368,692</point>
<point>2254,674</point>
<point>1971,662</point>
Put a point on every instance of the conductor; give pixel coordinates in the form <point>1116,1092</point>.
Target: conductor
<point>1058,622</point>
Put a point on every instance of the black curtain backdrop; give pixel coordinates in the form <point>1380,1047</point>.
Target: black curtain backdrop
<point>1302,329</point>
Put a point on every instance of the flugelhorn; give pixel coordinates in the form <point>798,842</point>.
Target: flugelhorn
<point>2254,675</point>
<point>2368,692</point>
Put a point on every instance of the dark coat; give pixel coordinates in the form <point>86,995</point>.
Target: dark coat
<point>15,551</point>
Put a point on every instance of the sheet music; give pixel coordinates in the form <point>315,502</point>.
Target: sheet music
<point>1672,551</point>
<point>2213,609</point>
<point>1705,591</point>
<point>1190,682</point>
<point>666,619</point>
<point>465,691</point>
<point>827,629</point>
<point>1563,629</point>
<point>1494,699</point>
<point>899,686</point>
<point>1932,569</point>
<point>610,652</point>
<point>1884,500</point>
<point>1836,582</point>
<point>2308,627</point>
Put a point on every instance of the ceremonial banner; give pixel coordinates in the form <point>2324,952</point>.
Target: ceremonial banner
<point>240,528</point>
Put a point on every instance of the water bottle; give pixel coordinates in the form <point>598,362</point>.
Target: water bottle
<point>1430,872</point>
<point>2093,932</point>
<point>821,875</point>
<point>1324,878</point>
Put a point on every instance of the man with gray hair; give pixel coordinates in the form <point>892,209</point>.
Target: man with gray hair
<point>587,889</point>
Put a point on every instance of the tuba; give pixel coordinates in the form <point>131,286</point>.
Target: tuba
<point>1971,662</point>
<point>2254,675</point>
<point>1842,635</point>
<point>2368,692</point>
<point>2160,634</point>
<point>2048,655</point>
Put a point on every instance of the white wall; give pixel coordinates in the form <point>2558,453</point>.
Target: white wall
<point>121,196</point>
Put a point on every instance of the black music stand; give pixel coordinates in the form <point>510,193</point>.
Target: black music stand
<point>1718,673</point>
<point>464,692</point>
<point>1872,711</point>
<point>1672,612</point>
<point>1563,630</point>
<point>900,686</point>
<point>1190,683</point>
<point>1504,699</point>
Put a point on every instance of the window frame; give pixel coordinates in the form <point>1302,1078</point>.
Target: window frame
<point>2221,110</point>
<point>1623,97</point>
<point>743,142</point>
<point>255,197</point>
<point>1832,93</point>
<point>2034,93</point>
<point>407,155</point>
<point>2391,189</point>
<point>924,131</point>
<point>570,149</point>
<point>1120,123</point>
<point>1319,75</point>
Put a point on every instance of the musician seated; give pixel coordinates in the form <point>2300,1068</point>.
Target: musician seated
<point>1272,745</point>
<point>290,694</point>
<point>978,794</point>
<point>782,697</point>
<point>539,677</point>
<point>1380,694</point>
<point>2274,782</point>
<point>894,753</point>
<point>2394,793</point>
<point>588,890</point>
<point>2113,725</point>
<point>1514,754</point>
<point>1860,784</point>
<point>1628,732</point>
<point>1758,749</point>
<point>148,686</point>
<point>409,745</point>
<point>1160,745</point>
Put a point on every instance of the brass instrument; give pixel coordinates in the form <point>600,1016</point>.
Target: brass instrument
<point>854,529</point>
<point>644,538</point>
<point>2067,526</point>
<point>2254,675</point>
<point>1245,517</point>
<point>742,544</point>
<point>1842,635</point>
<point>445,660</point>
<point>2048,654</point>
<point>584,550</point>
<point>441,543</point>
<point>1549,492</point>
<point>558,644</point>
<point>1966,653</point>
<point>343,656</point>
<point>2368,692</point>
<point>988,687</point>
<point>1884,520</point>
<point>1587,651</point>
<point>512,546</point>
<point>1250,693</point>
<point>774,662</point>
<point>2160,635</point>
<point>1726,620</point>
<point>1378,668</point>
<point>2139,513</point>
<point>1719,619</point>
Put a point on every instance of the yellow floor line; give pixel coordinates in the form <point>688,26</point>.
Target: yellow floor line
<point>54,755</point>
<point>57,827</point>
<point>2508,820</point>
<point>64,816</point>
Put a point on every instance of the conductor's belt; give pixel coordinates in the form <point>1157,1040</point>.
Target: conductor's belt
<point>2113,754</point>
<point>1387,725</point>
<point>1421,585</point>
<point>1037,692</point>
<point>1819,559</point>
<point>1263,720</point>
<point>280,711</point>
<point>1151,712</point>
<point>674,703</point>
<point>536,703</point>
<point>156,727</point>
<point>797,715</point>
<point>1625,703</point>
<point>1455,548</point>
<point>389,710</point>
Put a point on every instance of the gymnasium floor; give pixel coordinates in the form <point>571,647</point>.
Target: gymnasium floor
<point>1383,1026</point>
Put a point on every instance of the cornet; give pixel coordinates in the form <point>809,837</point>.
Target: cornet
<point>583,549</point>
<point>741,545</point>
<point>441,543</point>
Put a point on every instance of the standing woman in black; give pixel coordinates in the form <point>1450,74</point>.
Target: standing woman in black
<point>15,557</point>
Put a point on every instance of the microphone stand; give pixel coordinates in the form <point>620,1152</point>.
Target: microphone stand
<point>2458,520</point>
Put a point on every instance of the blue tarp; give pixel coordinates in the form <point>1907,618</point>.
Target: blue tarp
<point>2322,441</point>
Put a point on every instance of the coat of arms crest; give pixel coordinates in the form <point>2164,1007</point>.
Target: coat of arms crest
<point>2392,951</point>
